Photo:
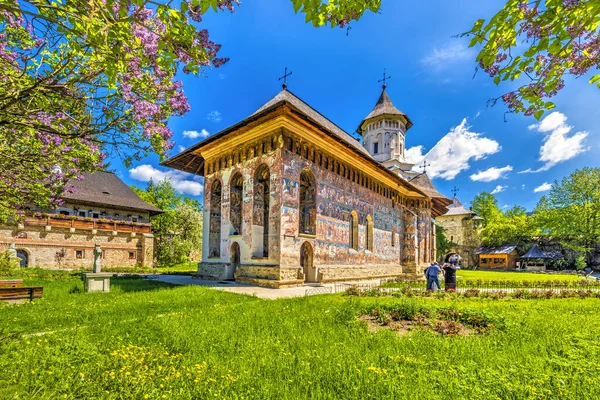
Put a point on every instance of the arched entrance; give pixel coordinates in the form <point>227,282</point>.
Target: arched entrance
<point>23,257</point>
<point>234,262</point>
<point>306,262</point>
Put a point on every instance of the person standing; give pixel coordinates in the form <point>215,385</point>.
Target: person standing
<point>450,277</point>
<point>431,273</point>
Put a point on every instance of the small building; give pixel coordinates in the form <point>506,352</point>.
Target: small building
<point>500,257</point>
<point>462,228</point>
<point>101,210</point>
<point>537,258</point>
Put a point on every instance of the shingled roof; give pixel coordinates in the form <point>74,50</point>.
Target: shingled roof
<point>457,208</point>
<point>440,202</point>
<point>103,188</point>
<point>384,106</point>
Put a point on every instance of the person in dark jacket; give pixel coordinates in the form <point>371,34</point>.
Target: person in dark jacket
<point>450,277</point>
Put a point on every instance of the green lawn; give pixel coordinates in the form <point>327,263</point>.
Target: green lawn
<point>514,276</point>
<point>151,339</point>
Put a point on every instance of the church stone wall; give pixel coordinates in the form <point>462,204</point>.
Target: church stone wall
<point>337,197</point>
<point>250,265</point>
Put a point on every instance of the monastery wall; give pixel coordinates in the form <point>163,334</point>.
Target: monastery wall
<point>61,248</point>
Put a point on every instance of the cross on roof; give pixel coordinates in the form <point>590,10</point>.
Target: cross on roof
<point>385,78</point>
<point>455,190</point>
<point>424,166</point>
<point>284,77</point>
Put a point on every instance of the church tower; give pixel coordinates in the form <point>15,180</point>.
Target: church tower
<point>383,134</point>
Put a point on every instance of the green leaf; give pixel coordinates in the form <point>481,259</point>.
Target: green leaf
<point>497,79</point>
<point>549,105</point>
<point>594,79</point>
<point>538,114</point>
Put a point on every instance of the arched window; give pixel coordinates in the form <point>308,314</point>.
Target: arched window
<point>369,244</point>
<point>214,237</point>
<point>260,212</point>
<point>354,230</point>
<point>393,236</point>
<point>236,187</point>
<point>308,203</point>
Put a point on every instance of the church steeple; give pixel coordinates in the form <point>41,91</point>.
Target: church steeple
<point>383,132</point>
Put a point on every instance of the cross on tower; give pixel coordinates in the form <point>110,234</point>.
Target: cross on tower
<point>385,78</point>
<point>455,190</point>
<point>424,166</point>
<point>284,77</point>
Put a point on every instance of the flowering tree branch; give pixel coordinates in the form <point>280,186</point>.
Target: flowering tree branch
<point>541,42</point>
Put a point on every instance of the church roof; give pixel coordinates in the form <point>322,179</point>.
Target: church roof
<point>103,188</point>
<point>288,97</point>
<point>384,106</point>
<point>440,202</point>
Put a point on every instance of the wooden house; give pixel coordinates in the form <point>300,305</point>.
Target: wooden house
<point>500,257</point>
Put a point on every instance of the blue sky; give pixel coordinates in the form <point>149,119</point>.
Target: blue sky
<point>432,81</point>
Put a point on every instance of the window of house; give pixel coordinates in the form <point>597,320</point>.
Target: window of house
<point>82,213</point>
<point>132,255</point>
<point>65,213</point>
<point>498,260</point>
<point>95,215</point>
<point>134,219</point>
<point>79,254</point>
<point>117,215</point>
<point>375,148</point>
<point>393,235</point>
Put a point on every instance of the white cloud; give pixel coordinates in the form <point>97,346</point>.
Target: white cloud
<point>544,187</point>
<point>214,116</point>
<point>182,182</point>
<point>445,57</point>
<point>181,148</point>
<point>453,152</point>
<point>558,146</point>
<point>504,206</point>
<point>491,174</point>
<point>195,134</point>
<point>522,186</point>
<point>499,189</point>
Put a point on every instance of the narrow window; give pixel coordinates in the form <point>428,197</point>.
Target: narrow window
<point>79,254</point>
<point>214,238</point>
<point>375,148</point>
<point>235,204</point>
<point>394,237</point>
<point>260,213</point>
<point>354,230</point>
<point>132,255</point>
<point>369,233</point>
<point>308,203</point>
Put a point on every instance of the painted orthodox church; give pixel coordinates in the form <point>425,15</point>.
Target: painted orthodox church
<point>291,198</point>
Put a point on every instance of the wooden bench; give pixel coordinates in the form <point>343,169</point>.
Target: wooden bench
<point>11,283</point>
<point>20,293</point>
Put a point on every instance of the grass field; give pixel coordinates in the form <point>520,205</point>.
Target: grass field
<point>151,340</point>
<point>514,276</point>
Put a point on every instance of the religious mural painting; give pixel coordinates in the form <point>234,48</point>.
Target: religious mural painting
<point>260,214</point>
<point>236,187</point>
<point>214,239</point>
<point>308,203</point>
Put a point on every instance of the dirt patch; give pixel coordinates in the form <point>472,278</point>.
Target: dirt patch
<point>402,328</point>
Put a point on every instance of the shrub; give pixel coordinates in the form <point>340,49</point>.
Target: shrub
<point>448,327</point>
<point>7,262</point>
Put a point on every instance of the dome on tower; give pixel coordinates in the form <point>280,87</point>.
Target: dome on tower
<point>384,107</point>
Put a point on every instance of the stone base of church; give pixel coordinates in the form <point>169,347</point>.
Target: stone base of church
<point>275,276</point>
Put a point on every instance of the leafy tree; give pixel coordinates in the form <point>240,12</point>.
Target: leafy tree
<point>570,213</point>
<point>84,79</point>
<point>443,245</point>
<point>540,42</point>
<point>486,206</point>
<point>178,230</point>
<point>511,227</point>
